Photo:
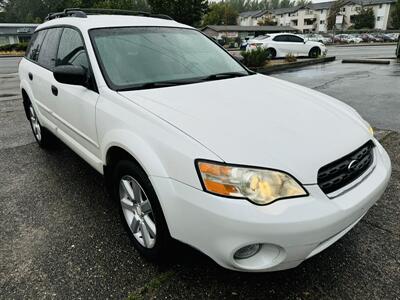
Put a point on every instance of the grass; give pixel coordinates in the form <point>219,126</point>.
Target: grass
<point>149,290</point>
<point>13,52</point>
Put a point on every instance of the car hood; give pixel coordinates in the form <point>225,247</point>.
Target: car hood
<point>260,121</point>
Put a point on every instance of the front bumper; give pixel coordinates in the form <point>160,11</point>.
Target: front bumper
<point>290,230</point>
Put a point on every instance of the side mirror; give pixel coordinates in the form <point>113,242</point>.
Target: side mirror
<point>69,74</point>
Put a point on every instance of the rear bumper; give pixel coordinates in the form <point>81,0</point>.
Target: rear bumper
<point>290,230</point>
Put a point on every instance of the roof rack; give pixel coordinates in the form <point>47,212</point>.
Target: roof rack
<point>84,12</point>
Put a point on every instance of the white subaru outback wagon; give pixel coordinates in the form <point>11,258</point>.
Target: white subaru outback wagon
<point>257,183</point>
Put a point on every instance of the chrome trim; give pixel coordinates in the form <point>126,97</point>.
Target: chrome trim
<point>358,180</point>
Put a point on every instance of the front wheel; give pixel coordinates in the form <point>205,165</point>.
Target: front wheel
<point>314,52</point>
<point>140,210</point>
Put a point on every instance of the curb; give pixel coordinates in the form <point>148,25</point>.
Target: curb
<point>294,65</point>
<point>366,61</point>
<point>364,45</point>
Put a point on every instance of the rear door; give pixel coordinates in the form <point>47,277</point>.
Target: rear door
<point>43,77</point>
<point>75,105</point>
<point>35,73</point>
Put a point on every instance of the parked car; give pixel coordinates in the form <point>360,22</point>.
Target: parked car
<point>318,38</point>
<point>257,183</point>
<point>282,44</point>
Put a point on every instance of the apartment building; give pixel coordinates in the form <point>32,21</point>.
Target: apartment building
<point>251,18</point>
<point>314,17</point>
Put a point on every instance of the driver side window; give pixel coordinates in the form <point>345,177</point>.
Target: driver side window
<point>296,39</point>
<point>71,50</point>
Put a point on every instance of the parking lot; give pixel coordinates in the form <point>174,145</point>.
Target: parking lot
<point>62,237</point>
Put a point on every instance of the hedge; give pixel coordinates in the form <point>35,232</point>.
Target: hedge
<point>14,47</point>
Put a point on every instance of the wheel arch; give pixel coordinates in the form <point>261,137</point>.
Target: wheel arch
<point>26,100</point>
<point>122,144</point>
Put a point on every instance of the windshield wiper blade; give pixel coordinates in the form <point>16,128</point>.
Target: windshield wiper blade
<point>153,85</point>
<point>225,75</point>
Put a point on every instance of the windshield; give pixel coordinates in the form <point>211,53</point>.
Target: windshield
<point>137,57</point>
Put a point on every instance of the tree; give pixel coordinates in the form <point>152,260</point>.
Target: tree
<point>396,16</point>
<point>333,12</point>
<point>286,4</point>
<point>365,19</point>
<point>185,11</point>
<point>221,14</point>
<point>303,2</point>
<point>136,5</point>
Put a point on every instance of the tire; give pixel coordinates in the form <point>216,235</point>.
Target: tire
<point>140,211</point>
<point>271,52</point>
<point>314,52</point>
<point>43,136</point>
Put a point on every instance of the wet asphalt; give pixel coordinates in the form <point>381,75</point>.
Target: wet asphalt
<point>61,236</point>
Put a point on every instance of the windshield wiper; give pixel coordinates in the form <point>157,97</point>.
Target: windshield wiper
<point>153,85</point>
<point>161,84</point>
<point>224,75</point>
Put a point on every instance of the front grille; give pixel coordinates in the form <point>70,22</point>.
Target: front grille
<point>343,171</point>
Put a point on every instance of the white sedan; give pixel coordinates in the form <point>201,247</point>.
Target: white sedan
<point>282,44</point>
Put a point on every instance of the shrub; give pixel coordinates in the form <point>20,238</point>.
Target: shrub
<point>290,58</point>
<point>14,47</point>
<point>255,58</point>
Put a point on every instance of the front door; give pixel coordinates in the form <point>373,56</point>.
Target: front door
<point>75,108</point>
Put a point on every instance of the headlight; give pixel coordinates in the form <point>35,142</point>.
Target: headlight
<point>260,186</point>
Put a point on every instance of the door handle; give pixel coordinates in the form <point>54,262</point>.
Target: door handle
<point>30,76</point>
<point>54,90</point>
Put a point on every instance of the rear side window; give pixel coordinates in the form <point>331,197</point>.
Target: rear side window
<point>295,39</point>
<point>71,50</point>
<point>35,45</point>
<point>48,52</point>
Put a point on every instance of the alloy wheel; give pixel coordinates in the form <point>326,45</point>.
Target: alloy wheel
<point>137,211</point>
<point>37,131</point>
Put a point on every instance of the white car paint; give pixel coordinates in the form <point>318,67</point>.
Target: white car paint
<point>282,126</point>
<point>300,47</point>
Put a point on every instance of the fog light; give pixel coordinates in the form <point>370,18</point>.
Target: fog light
<point>247,251</point>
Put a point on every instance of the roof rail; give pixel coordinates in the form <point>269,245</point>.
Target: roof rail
<point>84,12</point>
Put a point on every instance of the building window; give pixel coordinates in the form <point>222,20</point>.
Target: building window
<point>380,5</point>
<point>344,9</point>
<point>322,22</point>
<point>378,18</point>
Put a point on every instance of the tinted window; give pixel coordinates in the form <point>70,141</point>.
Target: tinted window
<point>295,39</point>
<point>35,45</point>
<point>71,50</point>
<point>47,55</point>
<point>281,38</point>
